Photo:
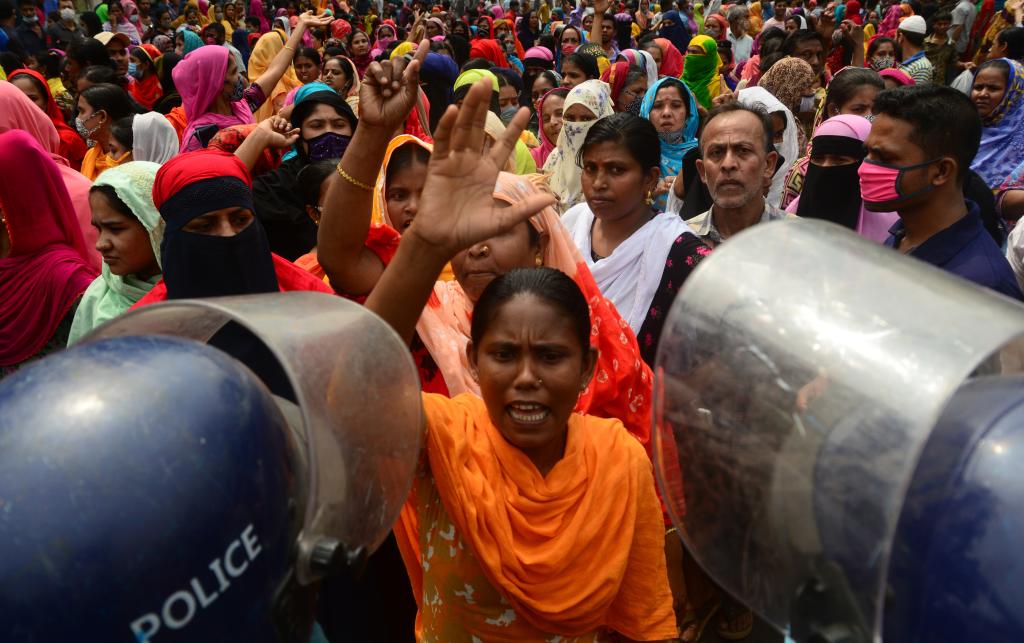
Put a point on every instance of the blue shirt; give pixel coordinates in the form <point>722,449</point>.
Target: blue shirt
<point>965,249</point>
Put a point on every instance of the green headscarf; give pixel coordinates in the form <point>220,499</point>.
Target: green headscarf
<point>102,13</point>
<point>110,295</point>
<point>471,76</point>
<point>698,16</point>
<point>699,72</point>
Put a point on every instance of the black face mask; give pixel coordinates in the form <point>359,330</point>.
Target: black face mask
<point>201,265</point>
<point>328,145</point>
<point>832,194</point>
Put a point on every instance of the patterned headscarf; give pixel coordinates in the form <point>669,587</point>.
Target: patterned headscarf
<point>789,80</point>
<point>1002,136</point>
<point>566,183</point>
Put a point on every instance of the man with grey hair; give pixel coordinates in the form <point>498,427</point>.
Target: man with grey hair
<point>739,24</point>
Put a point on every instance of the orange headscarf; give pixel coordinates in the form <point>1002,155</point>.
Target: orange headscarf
<point>572,552</point>
<point>96,161</point>
<point>621,387</point>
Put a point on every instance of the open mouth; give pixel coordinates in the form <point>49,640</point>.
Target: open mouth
<point>528,413</point>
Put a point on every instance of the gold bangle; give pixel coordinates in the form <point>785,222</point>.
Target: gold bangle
<point>348,177</point>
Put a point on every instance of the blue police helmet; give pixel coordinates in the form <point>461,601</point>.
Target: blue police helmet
<point>956,570</point>
<point>149,491</point>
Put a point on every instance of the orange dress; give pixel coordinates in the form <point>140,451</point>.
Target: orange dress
<point>497,552</point>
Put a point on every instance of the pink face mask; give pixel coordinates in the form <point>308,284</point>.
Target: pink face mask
<point>568,50</point>
<point>880,182</point>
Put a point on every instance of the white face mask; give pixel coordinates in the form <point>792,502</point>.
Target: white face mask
<point>67,14</point>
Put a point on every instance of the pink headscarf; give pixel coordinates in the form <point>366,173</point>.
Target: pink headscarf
<point>256,9</point>
<point>382,42</point>
<point>497,12</point>
<point>17,112</point>
<point>871,225</point>
<point>47,269</point>
<point>540,154</point>
<point>199,78</point>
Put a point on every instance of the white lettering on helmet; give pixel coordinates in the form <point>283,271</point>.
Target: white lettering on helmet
<point>180,607</point>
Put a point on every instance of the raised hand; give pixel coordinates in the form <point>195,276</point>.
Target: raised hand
<point>601,6</point>
<point>309,20</point>
<point>278,132</point>
<point>457,207</point>
<point>389,90</point>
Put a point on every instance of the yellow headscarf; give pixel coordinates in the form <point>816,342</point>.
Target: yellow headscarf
<point>266,48</point>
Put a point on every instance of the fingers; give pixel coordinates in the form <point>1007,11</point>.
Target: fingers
<point>510,217</point>
<point>443,133</point>
<point>468,131</point>
<point>507,143</point>
<point>411,75</point>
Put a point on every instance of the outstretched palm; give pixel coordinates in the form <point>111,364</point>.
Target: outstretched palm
<point>457,208</point>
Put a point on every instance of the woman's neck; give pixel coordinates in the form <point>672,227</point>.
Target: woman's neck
<point>547,456</point>
<point>221,105</point>
<point>607,234</point>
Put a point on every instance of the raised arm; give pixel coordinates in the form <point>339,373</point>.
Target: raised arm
<point>600,7</point>
<point>279,65</point>
<point>273,132</point>
<point>457,208</point>
<point>386,97</point>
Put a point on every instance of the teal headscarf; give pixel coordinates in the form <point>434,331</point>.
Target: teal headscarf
<point>110,295</point>
<point>674,145</point>
<point>192,40</point>
<point>301,94</point>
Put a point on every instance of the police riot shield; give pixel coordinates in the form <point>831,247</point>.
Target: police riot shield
<point>799,374</point>
<point>353,389</point>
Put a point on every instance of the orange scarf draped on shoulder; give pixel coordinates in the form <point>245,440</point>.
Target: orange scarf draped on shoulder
<point>572,552</point>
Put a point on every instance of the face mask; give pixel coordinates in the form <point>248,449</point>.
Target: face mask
<point>329,145</point>
<point>83,130</point>
<point>67,14</point>
<point>134,19</point>
<point>134,71</point>
<point>880,182</point>
<point>507,114</point>
<point>568,49</point>
<point>806,104</point>
<point>31,20</point>
<point>238,92</point>
<point>885,62</point>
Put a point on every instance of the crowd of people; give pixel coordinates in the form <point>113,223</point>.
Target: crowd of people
<point>521,189</point>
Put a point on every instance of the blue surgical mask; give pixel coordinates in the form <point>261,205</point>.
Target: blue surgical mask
<point>508,114</point>
<point>329,145</point>
<point>134,71</point>
<point>238,92</point>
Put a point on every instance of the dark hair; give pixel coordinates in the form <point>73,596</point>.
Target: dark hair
<point>845,85</point>
<point>333,52</point>
<point>1001,65</point>
<point>35,83</point>
<point>633,74</point>
<point>768,60</point>
<point>507,77</point>
<point>940,15</point>
<point>114,3</point>
<point>115,201</point>
<point>10,62</point>
<point>89,52</point>
<point>944,121</point>
<point>308,52</point>
<point>6,9</point>
<point>93,25</point>
<point>221,32</point>
<point>771,40</point>
<point>166,65</point>
<point>252,22</point>
<point>916,39</point>
<point>635,134</point>
<point>760,115</point>
<point>311,178</point>
<point>800,36</point>
<point>109,98</point>
<point>587,64</point>
<point>349,69</point>
<point>121,130</point>
<point>1013,39</point>
<point>101,74</point>
<point>878,42</point>
<point>561,33</point>
<point>404,157</point>
<point>476,63</point>
<point>548,284</point>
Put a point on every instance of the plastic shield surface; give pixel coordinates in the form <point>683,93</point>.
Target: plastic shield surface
<point>800,370</point>
<point>358,396</point>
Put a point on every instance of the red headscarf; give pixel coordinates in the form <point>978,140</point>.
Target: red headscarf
<point>671,59</point>
<point>490,29</point>
<point>47,269</point>
<point>184,170</point>
<point>722,23</point>
<point>340,29</point>
<point>615,76</point>
<point>72,147</point>
<point>853,12</point>
<point>148,90</point>
<point>490,50</point>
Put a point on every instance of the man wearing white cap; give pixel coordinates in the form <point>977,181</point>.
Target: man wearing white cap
<point>910,39</point>
<point>117,45</point>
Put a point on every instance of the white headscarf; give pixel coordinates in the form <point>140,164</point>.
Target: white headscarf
<point>154,139</point>
<point>565,181</point>
<point>760,98</point>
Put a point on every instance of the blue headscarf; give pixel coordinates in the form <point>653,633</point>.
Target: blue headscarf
<point>1002,135</point>
<point>677,34</point>
<point>674,145</point>
<point>192,40</point>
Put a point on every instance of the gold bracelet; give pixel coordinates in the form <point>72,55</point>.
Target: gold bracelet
<point>289,48</point>
<point>348,177</point>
